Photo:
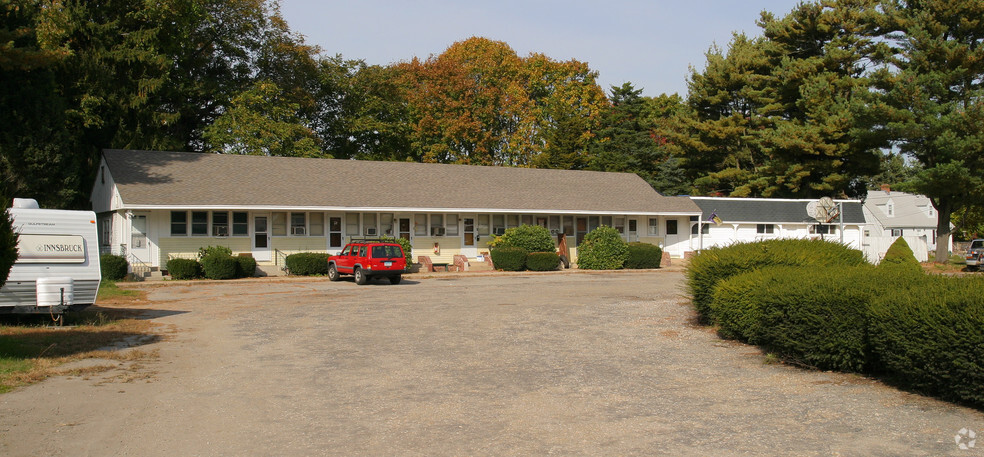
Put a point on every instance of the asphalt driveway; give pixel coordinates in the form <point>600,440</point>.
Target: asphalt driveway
<point>552,364</point>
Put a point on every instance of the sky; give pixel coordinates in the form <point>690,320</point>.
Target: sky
<point>651,44</point>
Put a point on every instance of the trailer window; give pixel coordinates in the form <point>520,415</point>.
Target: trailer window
<point>199,223</point>
<point>179,223</point>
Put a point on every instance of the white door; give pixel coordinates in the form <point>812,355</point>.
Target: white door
<point>261,237</point>
<point>469,246</point>
<point>139,248</point>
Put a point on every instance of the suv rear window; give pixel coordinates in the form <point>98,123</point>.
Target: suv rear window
<point>386,252</point>
<point>977,244</point>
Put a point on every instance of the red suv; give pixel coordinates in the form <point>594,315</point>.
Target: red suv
<point>367,259</point>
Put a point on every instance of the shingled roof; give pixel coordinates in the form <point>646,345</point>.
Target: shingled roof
<point>147,179</point>
<point>768,211</point>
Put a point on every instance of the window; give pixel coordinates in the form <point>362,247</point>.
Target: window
<point>483,224</point>
<point>606,221</point>
<point>240,224</point>
<point>620,225</point>
<point>199,223</point>
<point>527,219</point>
<point>593,222</point>
<point>105,223</point>
<point>633,226</point>
<point>764,228</point>
<point>890,208</point>
<point>298,223</point>
<point>671,227</point>
<point>498,224</point>
<point>452,225</point>
<point>386,252</point>
<point>437,225</point>
<point>352,224</point>
<point>653,226</point>
<point>823,229</point>
<point>705,229</point>
<point>386,224</point>
<point>569,225</point>
<point>278,224</point>
<point>554,225</point>
<point>317,224</point>
<point>369,224</point>
<point>420,224</point>
<point>179,223</point>
<point>896,232</point>
<point>220,223</point>
<point>512,220</point>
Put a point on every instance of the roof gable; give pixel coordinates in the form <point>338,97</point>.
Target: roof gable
<point>181,179</point>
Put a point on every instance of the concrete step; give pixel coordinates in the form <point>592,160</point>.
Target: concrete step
<point>478,266</point>
<point>270,270</point>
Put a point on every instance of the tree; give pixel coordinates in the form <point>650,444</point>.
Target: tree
<point>625,142</point>
<point>8,242</point>
<point>933,85</point>
<point>259,122</point>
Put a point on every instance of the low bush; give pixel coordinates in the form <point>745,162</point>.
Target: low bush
<point>643,256</point>
<point>929,337</point>
<point>602,249</point>
<point>407,249</point>
<point>716,264</point>
<point>509,258</point>
<point>220,266</point>
<point>532,238</point>
<point>542,261</point>
<point>208,250</point>
<point>816,316</point>
<point>184,269</point>
<point>247,266</point>
<point>307,263</point>
<point>113,267</point>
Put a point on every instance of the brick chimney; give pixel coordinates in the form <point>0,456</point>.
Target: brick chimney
<point>886,188</point>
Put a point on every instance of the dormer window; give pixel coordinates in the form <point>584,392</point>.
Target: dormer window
<point>890,209</point>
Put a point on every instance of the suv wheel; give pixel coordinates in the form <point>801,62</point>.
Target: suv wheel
<point>360,277</point>
<point>332,272</point>
<point>396,279</point>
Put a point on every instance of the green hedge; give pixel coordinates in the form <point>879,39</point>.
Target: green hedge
<point>602,249</point>
<point>816,316</point>
<point>220,266</point>
<point>184,269</point>
<point>899,258</point>
<point>542,261</point>
<point>247,266</point>
<point>113,267</point>
<point>716,264</point>
<point>307,263</point>
<point>643,256</point>
<point>532,238</point>
<point>930,337</point>
<point>509,258</point>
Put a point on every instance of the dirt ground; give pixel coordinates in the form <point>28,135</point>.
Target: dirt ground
<point>536,364</point>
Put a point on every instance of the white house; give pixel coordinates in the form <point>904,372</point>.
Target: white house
<point>154,206</point>
<point>731,220</point>
<point>892,214</point>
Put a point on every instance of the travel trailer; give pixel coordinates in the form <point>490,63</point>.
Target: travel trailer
<point>57,267</point>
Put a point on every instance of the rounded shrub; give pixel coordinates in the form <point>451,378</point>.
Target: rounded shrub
<point>542,261</point>
<point>184,269</point>
<point>532,238</point>
<point>509,258</point>
<point>113,267</point>
<point>716,264</point>
<point>602,249</point>
<point>929,337</point>
<point>202,252</point>
<point>307,263</point>
<point>900,258</point>
<point>219,266</point>
<point>247,266</point>
<point>643,256</point>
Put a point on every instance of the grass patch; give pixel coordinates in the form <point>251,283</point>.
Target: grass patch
<point>31,350</point>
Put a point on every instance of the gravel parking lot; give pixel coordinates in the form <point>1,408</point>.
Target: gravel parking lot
<point>538,364</point>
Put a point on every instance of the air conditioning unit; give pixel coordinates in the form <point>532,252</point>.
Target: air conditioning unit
<point>297,230</point>
<point>370,231</point>
<point>437,231</point>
